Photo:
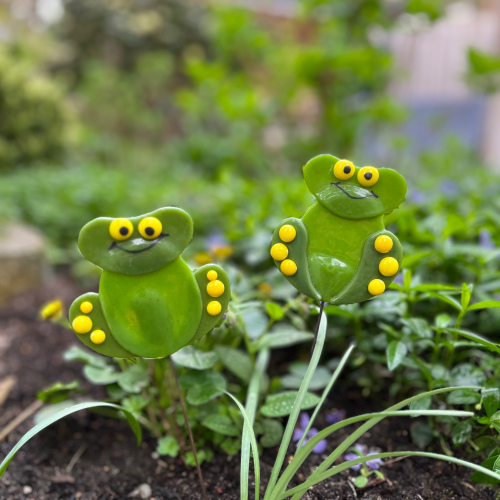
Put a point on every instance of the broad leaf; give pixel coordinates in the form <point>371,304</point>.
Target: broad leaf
<point>396,352</point>
<point>134,379</point>
<point>280,405</point>
<point>100,375</point>
<point>202,386</point>
<point>491,400</point>
<point>221,424</point>
<point>236,361</point>
<point>190,357</point>
<point>168,445</point>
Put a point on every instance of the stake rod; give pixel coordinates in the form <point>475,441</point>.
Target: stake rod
<point>190,434</point>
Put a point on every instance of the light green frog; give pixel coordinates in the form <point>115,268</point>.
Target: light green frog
<point>150,304</point>
<point>339,251</point>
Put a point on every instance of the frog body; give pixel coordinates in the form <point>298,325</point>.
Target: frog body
<point>339,251</point>
<point>150,304</point>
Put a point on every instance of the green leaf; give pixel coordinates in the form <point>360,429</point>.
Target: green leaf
<point>134,379</point>
<point>58,392</point>
<point>465,297</point>
<point>196,359</point>
<point>282,337</point>
<point>421,434</point>
<point>361,482</point>
<point>203,456</point>
<point>202,386</point>
<point>231,446</point>
<point>491,400</point>
<point>463,397</point>
<point>63,413</point>
<point>80,354</point>
<point>446,298</point>
<point>487,304</point>
<point>221,424</point>
<point>461,432</point>
<point>319,380</point>
<point>280,405</point>
<point>479,477</point>
<point>396,352</point>
<point>255,322</point>
<point>272,433</point>
<point>275,311</point>
<point>236,361</point>
<point>168,445</point>
<point>48,410</point>
<point>100,375</point>
<point>476,338</point>
<point>421,404</point>
<point>135,404</point>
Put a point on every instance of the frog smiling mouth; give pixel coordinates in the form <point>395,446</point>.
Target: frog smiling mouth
<point>157,240</point>
<point>371,195</point>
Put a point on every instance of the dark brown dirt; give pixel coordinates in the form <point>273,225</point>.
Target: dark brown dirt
<point>111,466</point>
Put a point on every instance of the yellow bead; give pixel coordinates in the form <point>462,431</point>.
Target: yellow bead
<point>279,251</point>
<point>97,336</point>
<point>150,228</point>
<point>343,170</point>
<point>368,176</point>
<point>121,229</point>
<point>288,267</point>
<point>376,287</point>
<point>82,324</point>
<point>214,308</point>
<point>86,307</point>
<point>215,288</point>
<point>212,275</point>
<point>388,266</point>
<point>383,244</point>
<point>287,233</point>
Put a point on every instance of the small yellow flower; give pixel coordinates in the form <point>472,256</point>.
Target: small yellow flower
<point>265,288</point>
<point>222,252</point>
<point>202,258</point>
<point>52,310</point>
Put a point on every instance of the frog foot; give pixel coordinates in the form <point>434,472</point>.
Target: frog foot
<point>380,262</point>
<point>215,292</point>
<point>90,326</point>
<point>289,251</point>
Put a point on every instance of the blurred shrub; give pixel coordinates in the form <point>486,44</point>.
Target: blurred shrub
<point>484,71</point>
<point>35,120</point>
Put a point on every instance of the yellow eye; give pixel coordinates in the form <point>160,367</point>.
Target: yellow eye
<point>150,228</point>
<point>343,170</point>
<point>121,229</point>
<point>368,176</point>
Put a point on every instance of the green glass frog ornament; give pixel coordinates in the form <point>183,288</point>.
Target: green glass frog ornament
<point>339,251</point>
<point>150,304</point>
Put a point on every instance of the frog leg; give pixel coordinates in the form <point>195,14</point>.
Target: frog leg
<point>381,259</point>
<point>215,291</point>
<point>289,251</point>
<point>90,326</point>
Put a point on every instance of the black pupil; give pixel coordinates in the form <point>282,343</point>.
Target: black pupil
<point>149,231</point>
<point>347,170</point>
<point>124,231</point>
<point>368,176</point>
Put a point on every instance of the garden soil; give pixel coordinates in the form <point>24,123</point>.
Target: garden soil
<point>90,457</point>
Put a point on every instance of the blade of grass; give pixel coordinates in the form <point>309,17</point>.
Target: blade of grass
<point>251,408</point>
<point>292,420</point>
<point>301,489</point>
<point>253,442</point>
<point>64,413</point>
<point>306,450</point>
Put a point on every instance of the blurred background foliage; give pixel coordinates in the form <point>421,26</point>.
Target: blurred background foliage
<point>119,107</point>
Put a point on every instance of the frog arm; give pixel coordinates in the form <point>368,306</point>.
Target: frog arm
<point>90,326</point>
<point>368,279</point>
<point>289,251</point>
<point>215,291</point>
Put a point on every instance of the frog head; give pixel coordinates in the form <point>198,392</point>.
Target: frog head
<point>136,245</point>
<point>352,192</point>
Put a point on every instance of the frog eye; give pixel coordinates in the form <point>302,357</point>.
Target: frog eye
<point>121,229</point>
<point>150,228</point>
<point>368,176</point>
<point>343,170</point>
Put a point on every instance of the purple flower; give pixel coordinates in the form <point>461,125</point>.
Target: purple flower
<point>363,450</point>
<point>300,430</point>
<point>485,240</point>
<point>335,416</point>
<point>449,188</point>
<point>418,197</point>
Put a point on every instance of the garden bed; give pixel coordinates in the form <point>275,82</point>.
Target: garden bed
<point>87,456</point>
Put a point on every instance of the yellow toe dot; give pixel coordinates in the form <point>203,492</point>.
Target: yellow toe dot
<point>214,308</point>
<point>82,324</point>
<point>288,267</point>
<point>383,244</point>
<point>287,233</point>
<point>279,251</point>
<point>388,266</point>
<point>97,336</point>
<point>212,275</point>
<point>376,287</point>
<point>215,288</point>
<point>86,307</point>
